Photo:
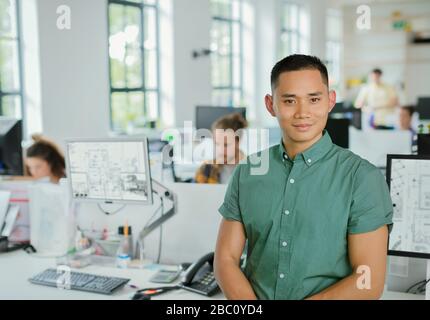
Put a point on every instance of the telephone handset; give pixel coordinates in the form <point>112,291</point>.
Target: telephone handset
<point>200,278</point>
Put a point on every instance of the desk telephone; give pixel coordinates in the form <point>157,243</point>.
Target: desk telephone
<point>200,278</point>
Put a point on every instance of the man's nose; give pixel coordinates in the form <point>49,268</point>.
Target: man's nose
<point>302,110</point>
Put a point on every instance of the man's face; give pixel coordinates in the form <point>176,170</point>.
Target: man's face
<point>375,77</point>
<point>301,102</point>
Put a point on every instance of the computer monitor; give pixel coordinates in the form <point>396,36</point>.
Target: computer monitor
<point>11,160</point>
<point>339,131</point>
<point>345,110</point>
<point>408,177</point>
<point>339,107</point>
<point>109,170</point>
<point>206,116</point>
<point>423,144</point>
<point>423,108</point>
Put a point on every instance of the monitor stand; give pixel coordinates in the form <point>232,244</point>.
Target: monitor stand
<point>164,194</point>
<point>427,278</point>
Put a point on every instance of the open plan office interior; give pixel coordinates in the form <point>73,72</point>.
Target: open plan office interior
<point>108,118</point>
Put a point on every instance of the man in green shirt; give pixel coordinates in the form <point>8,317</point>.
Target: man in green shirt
<point>316,221</point>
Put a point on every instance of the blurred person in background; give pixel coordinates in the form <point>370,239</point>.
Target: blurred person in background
<point>378,99</point>
<point>227,135</point>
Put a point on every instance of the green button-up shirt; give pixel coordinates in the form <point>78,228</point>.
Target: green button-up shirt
<point>297,216</point>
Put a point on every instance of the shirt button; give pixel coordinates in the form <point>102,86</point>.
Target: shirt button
<point>309,160</point>
<point>287,212</point>
<point>282,276</point>
<point>292,181</point>
<point>284,244</point>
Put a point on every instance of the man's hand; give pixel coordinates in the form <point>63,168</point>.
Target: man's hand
<point>367,252</point>
<point>229,249</point>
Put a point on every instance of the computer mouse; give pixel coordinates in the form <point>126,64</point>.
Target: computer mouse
<point>141,296</point>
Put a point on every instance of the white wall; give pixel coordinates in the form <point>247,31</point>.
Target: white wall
<point>74,70</point>
<point>31,58</point>
<point>192,22</point>
<point>267,32</point>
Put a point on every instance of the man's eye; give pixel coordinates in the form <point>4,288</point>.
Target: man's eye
<point>315,100</point>
<point>289,101</point>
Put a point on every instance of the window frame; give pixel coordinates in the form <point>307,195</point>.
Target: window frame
<point>232,88</point>
<point>331,43</point>
<point>18,40</point>
<point>143,88</point>
<point>289,31</point>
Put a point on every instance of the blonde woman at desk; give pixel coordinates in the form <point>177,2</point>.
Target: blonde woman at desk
<point>227,150</point>
<point>45,160</point>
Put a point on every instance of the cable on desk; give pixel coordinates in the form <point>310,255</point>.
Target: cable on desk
<point>421,284</point>
<point>110,213</point>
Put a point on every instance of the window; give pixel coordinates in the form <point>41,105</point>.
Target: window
<point>294,29</point>
<point>334,48</point>
<point>227,51</point>
<point>134,63</point>
<point>11,96</point>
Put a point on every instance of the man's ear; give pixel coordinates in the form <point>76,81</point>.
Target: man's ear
<point>268,99</point>
<point>332,99</point>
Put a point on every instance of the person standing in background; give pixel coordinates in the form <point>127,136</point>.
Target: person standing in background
<point>378,99</point>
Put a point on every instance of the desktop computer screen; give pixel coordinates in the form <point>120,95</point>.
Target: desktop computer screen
<point>339,131</point>
<point>423,143</point>
<point>206,116</point>
<point>11,160</point>
<point>408,177</point>
<point>109,171</point>
<point>423,108</point>
<point>345,110</point>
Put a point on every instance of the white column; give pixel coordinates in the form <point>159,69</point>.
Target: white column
<point>74,70</point>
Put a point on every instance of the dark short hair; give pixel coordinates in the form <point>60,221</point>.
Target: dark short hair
<point>410,109</point>
<point>377,71</point>
<point>297,62</point>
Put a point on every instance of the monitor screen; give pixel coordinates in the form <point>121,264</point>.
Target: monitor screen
<point>408,177</point>
<point>423,108</point>
<point>11,160</point>
<point>109,171</point>
<point>339,131</point>
<point>206,116</point>
<point>423,143</point>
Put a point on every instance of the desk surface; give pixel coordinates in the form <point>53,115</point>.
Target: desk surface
<point>17,267</point>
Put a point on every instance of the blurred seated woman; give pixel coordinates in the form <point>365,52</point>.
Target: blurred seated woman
<point>45,160</point>
<point>227,134</point>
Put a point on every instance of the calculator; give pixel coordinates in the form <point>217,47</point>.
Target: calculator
<point>165,276</point>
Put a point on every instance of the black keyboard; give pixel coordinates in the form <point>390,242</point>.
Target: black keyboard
<point>79,281</point>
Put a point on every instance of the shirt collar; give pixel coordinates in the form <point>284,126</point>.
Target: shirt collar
<point>315,152</point>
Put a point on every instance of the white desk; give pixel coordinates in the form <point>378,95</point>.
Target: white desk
<point>17,267</point>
